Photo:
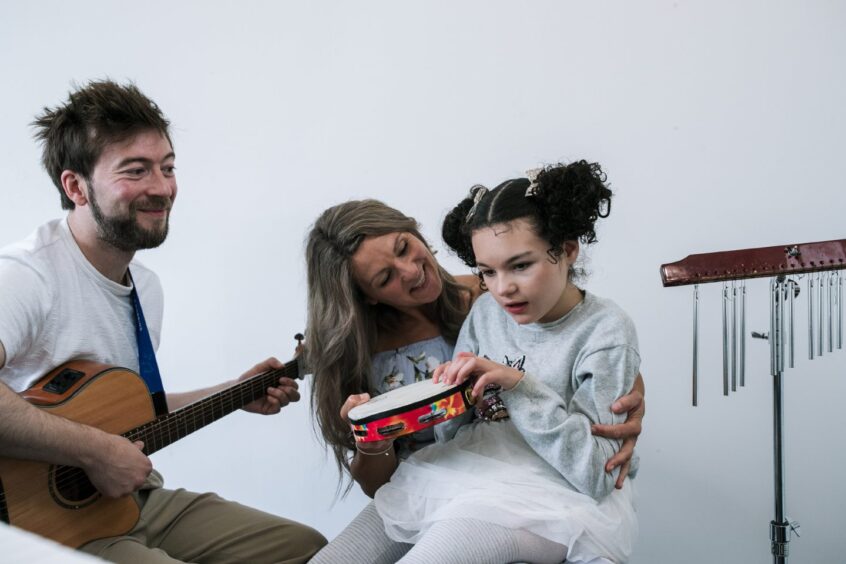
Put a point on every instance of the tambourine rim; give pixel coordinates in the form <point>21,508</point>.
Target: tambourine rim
<point>412,406</point>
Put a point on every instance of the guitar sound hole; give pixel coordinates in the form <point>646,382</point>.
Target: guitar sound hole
<point>71,487</point>
<point>4,511</point>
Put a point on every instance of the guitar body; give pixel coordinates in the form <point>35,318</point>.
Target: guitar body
<point>59,502</point>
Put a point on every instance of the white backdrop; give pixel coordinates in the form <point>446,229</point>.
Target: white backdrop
<point>720,124</point>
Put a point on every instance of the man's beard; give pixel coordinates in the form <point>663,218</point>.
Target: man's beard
<point>123,232</point>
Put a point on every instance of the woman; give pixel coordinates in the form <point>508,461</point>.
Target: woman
<point>382,313</point>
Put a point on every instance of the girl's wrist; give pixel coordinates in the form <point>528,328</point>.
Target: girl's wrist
<point>376,452</point>
<point>518,377</point>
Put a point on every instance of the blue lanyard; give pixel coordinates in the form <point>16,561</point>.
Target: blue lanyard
<point>147,365</point>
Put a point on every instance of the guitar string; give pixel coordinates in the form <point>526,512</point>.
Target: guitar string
<point>173,422</point>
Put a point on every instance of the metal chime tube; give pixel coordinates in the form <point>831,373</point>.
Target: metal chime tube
<point>782,334</point>
<point>773,305</point>
<point>743,333</point>
<point>839,310</point>
<point>810,317</point>
<point>725,341</point>
<point>790,294</point>
<point>820,315</point>
<point>695,385</point>
<point>733,337</point>
<point>830,288</point>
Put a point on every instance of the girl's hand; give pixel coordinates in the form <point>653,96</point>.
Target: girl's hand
<point>485,371</point>
<point>373,447</point>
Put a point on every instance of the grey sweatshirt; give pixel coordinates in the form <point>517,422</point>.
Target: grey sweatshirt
<point>574,369</point>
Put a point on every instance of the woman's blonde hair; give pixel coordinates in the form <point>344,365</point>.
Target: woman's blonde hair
<point>342,328</point>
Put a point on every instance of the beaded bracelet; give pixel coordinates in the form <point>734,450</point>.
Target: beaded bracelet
<point>386,452</point>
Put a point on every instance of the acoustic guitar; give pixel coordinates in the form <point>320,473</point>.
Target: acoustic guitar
<point>59,502</point>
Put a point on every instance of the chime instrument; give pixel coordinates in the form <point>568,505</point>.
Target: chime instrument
<point>821,264</point>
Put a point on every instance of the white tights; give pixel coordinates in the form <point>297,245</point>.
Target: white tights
<point>455,541</point>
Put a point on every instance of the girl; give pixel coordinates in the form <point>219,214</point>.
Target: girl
<point>382,313</point>
<point>530,486</point>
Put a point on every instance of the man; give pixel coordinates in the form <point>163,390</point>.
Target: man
<point>69,292</point>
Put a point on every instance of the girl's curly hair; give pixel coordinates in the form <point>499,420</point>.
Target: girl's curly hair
<point>564,205</point>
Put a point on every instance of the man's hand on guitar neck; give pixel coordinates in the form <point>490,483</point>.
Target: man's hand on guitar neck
<point>277,397</point>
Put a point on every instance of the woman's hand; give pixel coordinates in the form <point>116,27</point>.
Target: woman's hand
<point>634,405</point>
<point>372,447</point>
<point>486,371</point>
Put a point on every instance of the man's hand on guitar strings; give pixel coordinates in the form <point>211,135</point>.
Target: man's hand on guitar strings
<point>116,466</point>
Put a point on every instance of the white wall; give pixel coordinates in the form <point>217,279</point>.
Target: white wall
<point>720,124</point>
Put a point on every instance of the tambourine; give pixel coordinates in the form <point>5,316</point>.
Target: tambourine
<point>409,409</point>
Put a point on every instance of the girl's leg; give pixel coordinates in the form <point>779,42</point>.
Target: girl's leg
<point>363,541</point>
<point>469,540</point>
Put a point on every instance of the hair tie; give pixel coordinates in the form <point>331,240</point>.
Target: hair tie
<point>477,192</point>
<point>532,175</point>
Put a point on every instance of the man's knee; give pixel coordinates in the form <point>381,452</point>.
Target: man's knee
<point>307,540</point>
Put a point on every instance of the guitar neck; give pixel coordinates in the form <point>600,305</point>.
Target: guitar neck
<point>169,428</point>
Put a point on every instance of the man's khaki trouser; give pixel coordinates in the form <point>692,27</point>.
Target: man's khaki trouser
<point>182,526</point>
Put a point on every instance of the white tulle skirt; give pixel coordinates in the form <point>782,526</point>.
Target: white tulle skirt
<point>488,472</point>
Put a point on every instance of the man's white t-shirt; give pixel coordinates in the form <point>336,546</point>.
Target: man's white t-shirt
<point>55,307</point>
